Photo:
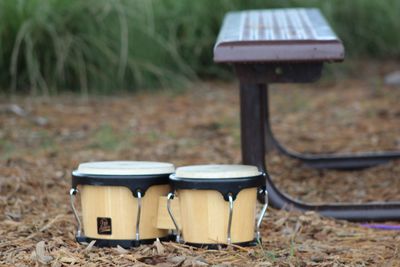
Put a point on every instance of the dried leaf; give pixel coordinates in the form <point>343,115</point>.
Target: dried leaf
<point>41,254</point>
<point>121,250</point>
<point>194,262</point>
<point>67,260</point>
<point>177,260</point>
<point>90,246</point>
<point>280,222</point>
<point>160,248</point>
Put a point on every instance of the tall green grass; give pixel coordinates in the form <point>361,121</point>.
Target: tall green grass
<point>99,46</point>
<point>91,45</point>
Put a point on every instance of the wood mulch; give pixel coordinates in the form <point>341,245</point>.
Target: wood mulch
<point>42,145</point>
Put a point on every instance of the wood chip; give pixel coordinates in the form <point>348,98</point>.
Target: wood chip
<point>160,248</point>
<point>41,254</point>
<point>68,260</point>
<point>90,246</point>
<point>121,250</point>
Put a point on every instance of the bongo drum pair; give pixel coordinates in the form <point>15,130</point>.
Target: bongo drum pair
<point>133,203</point>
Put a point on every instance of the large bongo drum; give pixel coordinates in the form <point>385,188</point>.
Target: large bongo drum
<point>216,204</point>
<point>119,201</point>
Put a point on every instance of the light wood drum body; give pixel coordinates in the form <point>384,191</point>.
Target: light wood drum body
<point>120,201</point>
<point>205,193</point>
<point>118,205</point>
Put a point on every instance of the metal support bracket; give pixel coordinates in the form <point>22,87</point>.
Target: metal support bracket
<point>72,193</point>
<point>252,113</point>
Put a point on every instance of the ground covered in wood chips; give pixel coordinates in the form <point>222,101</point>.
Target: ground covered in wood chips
<point>44,139</point>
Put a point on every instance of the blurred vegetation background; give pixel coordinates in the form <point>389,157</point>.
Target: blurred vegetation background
<point>99,46</point>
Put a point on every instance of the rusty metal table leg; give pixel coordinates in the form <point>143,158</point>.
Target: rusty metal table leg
<point>253,98</point>
<point>328,161</point>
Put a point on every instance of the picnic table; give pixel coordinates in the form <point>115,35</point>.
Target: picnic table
<point>289,46</point>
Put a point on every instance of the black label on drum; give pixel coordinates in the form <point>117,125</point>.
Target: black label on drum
<point>103,226</point>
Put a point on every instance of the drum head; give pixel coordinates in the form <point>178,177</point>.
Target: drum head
<point>229,180</point>
<point>125,168</point>
<point>217,171</point>
<point>138,176</point>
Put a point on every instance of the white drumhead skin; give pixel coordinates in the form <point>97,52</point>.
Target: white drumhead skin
<point>125,168</point>
<point>217,171</point>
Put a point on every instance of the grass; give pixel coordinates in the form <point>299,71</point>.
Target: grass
<point>99,46</point>
<point>106,138</point>
<point>7,149</point>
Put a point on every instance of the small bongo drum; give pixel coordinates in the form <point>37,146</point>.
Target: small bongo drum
<point>217,204</point>
<point>119,201</point>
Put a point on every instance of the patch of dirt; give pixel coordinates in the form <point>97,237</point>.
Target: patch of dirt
<point>200,125</point>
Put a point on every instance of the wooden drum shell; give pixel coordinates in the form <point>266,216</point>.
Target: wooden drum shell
<point>209,196</point>
<point>119,204</point>
<point>204,216</point>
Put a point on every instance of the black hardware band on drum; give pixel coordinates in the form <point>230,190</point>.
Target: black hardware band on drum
<point>251,243</point>
<point>135,183</point>
<point>226,186</point>
<point>125,243</point>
